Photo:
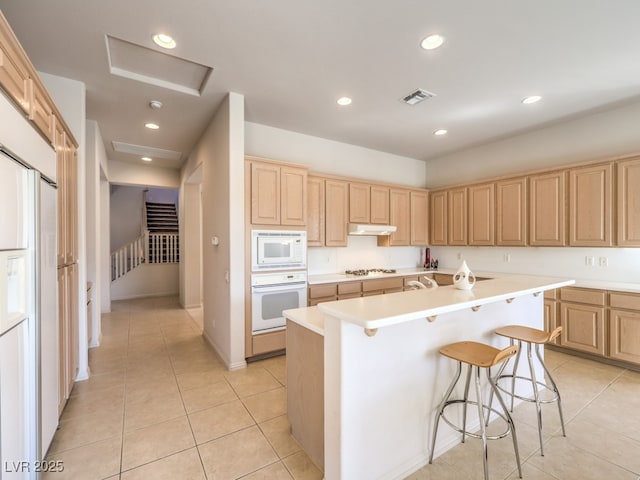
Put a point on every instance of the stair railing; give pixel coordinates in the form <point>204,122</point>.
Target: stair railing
<point>127,257</point>
<point>163,247</point>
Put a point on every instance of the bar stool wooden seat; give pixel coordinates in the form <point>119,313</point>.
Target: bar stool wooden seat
<point>530,336</point>
<point>477,356</point>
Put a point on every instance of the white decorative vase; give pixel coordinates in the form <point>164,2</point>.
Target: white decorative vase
<point>464,279</point>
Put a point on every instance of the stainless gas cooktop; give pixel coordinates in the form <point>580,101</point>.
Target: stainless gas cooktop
<point>370,271</point>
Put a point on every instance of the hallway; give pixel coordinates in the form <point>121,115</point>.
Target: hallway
<point>160,405</point>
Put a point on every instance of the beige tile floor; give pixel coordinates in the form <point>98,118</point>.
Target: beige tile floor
<point>160,405</point>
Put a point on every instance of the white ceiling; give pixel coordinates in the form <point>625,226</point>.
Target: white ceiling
<point>292,59</point>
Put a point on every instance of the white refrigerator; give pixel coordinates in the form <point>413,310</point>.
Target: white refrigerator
<point>28,318</point>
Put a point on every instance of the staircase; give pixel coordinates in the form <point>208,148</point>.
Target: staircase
<point>159,244</point>
<point>162,218</point>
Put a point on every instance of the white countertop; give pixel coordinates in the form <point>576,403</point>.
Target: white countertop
<point>394,308</point>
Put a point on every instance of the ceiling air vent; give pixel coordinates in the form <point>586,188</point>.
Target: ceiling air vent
<point>417,96</point>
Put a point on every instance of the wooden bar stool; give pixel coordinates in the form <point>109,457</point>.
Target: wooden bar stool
<point>476,356</point>
<point>531,336</point>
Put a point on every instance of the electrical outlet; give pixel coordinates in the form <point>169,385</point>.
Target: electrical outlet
<point>507,257</point>
<point>459,256</point>
<point>604,261</point>
<point>589,261</point>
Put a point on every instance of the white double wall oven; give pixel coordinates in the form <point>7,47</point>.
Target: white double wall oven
<point>278,277</point>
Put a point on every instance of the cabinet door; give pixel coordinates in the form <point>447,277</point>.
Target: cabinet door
<point>419,218</point>
<point>293,201</point>
<point>583,327</point>
<point>482,214</point>
<point>399,215</point>
<point>265,194</point>
<point>628,203</point>
<point>379,205</point>
<point>551,317</point>
<point>62,195</point>
<point>547,209</point>
<point>315,214</point>
<point>63,339</point>
<point>336,215</point>
<point>71,161</point>
<point>438,217</point>
<point>590,203</point>
<point>457,216</point>
<point>511,208</point>
<point>359,203</point>
<point>624,335</point>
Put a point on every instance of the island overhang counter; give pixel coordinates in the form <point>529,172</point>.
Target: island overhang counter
<point>382,376</point>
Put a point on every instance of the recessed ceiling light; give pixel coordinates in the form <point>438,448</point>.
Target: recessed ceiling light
<point>163,40</point>
<point>440,131</point>
<point>155,104</point>
<point>432,42</point>
<point>531,99</point>
<point>152,126</point>
<point>146,159</point>
<point>344,101</point>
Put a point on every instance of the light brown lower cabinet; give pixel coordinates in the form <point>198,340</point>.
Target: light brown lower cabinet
<point>551,317</point>
<point>268,342</point>
<point>583,327</point>
<point>68,331</point>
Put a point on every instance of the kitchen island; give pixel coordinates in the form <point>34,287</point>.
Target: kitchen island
<point>382,377</point>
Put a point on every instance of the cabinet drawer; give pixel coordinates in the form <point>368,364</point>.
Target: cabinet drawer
<point>382,284</point>
<point>550,294</point>
<point>349,287</point>
<point>582,295</point>
<point>627,301</point>
<point>443,278</point>
<point>414,278</point>
<point>315,301</point>
<point>349,295</point>
<point>324,290</point>
<point>269,342</point>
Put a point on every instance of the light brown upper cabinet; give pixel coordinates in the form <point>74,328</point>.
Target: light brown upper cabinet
<point>336,212</point>
<point>399,215</point>
<point>457,216</point>
<point>278,194</point>
<point>482,214</point>
<point>293,196</point>
<point>547,218</point>
<point>438,217</point>
<point>41,111</point>
<point>590,204</point>
<point>628,203</point>
<point>379,205</point>
<point>359,203</point>
<point>419,218</point>
<point>511,218</point>
<point>14,72</point>
<point>315,213</point>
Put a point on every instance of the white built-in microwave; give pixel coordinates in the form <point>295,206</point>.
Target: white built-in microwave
<point>278,249</point>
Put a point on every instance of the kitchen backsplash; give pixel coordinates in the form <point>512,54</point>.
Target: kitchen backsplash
<point>609,264</point>
<point>361,252</point>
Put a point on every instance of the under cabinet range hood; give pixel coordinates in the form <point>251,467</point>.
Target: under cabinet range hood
<point>366,229</point>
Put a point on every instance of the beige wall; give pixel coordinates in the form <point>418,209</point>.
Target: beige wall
<point>125,173</point>
<point>220,152</point>
<point>329,156</point>
<point>600,135</point>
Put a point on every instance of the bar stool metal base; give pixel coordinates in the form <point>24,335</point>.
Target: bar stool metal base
<point>447,402</point>
<point>535,383</point>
